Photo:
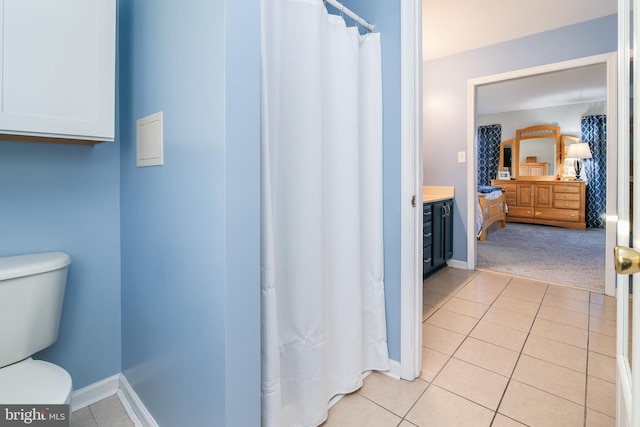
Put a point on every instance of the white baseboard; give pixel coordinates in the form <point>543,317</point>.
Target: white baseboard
<point>395,370</point>
<point>95,392</point>
<point>134,406</point>
<point>118,385</point>
<point>458,264</point>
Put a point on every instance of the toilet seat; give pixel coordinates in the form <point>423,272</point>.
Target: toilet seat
<point>35,382</point>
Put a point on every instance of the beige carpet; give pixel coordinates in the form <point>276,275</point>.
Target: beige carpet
<point>551,254</point>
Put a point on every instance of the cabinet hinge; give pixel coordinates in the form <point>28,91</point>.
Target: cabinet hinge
<point>413,201</point>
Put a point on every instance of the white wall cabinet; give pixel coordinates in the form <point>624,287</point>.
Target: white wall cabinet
<point>58,70</point>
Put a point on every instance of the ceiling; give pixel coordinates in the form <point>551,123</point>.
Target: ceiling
<point>455,26</point>
<point>574,86</point>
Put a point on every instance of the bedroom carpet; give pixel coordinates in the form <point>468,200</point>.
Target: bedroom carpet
<point>550,254</point>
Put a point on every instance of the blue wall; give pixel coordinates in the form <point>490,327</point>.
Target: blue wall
<point>56,197</point>
<point>386,18</point>
<point>190,228</point>
<point>445,98</point>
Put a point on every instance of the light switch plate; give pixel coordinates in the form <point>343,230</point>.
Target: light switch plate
<point>149,141</point>
<point>462,156</point>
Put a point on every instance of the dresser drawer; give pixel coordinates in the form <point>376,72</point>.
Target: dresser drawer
<point>506,186</point>
<point>566,188</point>
<point>566,204</point>
<point>520,212</point>
<point>566,196</point>
<point>558,214</point>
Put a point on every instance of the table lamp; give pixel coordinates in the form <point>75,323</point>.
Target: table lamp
<point>578,151</point>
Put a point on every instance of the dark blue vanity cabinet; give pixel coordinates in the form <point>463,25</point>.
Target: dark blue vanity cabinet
<point>437,235</point>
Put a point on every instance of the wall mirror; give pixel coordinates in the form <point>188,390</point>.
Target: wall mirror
<point>507,154</point>
<point>539,152</point>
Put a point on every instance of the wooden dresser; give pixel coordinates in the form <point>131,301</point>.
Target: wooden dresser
<point>559,203</point>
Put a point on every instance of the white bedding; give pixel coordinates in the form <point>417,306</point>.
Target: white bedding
<point>493,195</point>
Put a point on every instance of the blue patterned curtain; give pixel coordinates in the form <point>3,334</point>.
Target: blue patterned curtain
<point>594,132</point>
<point>488,143</point>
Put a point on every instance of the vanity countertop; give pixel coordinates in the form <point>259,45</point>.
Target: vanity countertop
<point>435,194</point>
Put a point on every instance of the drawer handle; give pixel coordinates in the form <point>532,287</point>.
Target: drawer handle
<point>427,260</point>
<point>566,204</point>
<point>427,235</point>
<point>538,213</point>
<point>566,197</point>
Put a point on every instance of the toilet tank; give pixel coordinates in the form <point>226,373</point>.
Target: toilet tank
<point>31,293</point>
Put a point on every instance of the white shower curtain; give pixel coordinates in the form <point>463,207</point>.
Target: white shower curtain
<point>323,313</point>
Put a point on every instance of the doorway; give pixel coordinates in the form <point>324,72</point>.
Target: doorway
<point>475,88</point>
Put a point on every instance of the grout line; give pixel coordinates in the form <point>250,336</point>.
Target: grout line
<point>93,416</point>
<point>520,353</point>
<point>416,401</point>
<point>504,393</point>
<point>586,373</point>
<point>375,403</point>
<point>495,411</point>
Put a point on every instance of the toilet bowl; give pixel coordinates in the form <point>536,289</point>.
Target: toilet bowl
<point>31,294</point>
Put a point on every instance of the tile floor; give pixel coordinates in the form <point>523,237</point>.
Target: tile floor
<point>108,412</point>
<point>499,351</point>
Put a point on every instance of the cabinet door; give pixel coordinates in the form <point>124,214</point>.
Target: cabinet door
<point>58,68</point>
<point>524,195</point>
<point>447,230</point>
<point>543,195</point>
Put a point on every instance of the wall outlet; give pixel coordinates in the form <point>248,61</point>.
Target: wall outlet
<point>462,156</point>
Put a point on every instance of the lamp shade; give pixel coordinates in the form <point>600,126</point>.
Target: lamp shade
<point>579,151</point>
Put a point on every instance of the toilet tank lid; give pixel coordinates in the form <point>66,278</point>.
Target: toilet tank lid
<point>25,265</point>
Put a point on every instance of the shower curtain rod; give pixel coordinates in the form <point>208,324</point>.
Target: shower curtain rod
<point>343,9</point>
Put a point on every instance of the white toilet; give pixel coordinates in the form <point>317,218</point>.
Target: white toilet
<point>31,294</point>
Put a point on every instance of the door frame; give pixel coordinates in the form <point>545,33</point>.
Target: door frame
<point>626,380</point>
<point>610,60</point>
<point>411,191</point>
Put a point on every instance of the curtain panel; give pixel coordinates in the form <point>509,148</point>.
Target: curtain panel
<point>323,307</point>
<point>593,131</point>
<point>488,147</point>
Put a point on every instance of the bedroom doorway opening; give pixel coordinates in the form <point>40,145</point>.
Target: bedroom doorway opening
<point>480,103</point>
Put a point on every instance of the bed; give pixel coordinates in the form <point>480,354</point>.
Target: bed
<point>492,207</point>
